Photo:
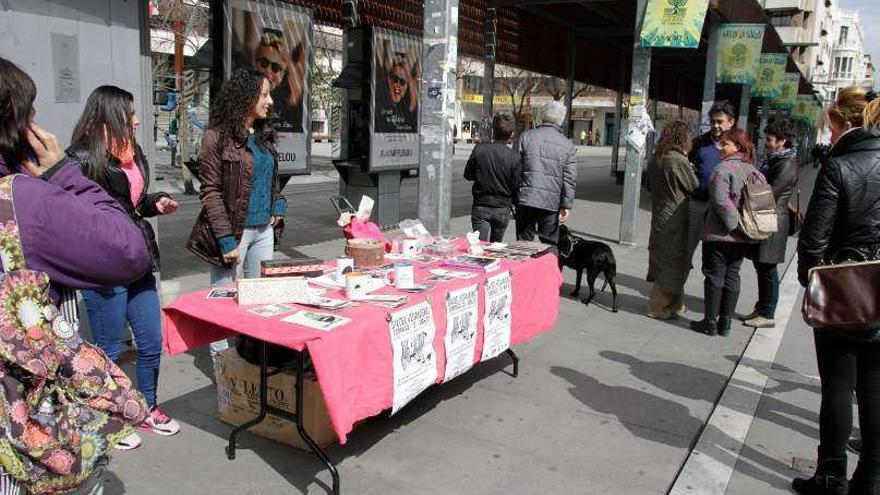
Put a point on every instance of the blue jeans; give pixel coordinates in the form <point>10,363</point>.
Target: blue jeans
<point>138,304</point>
<point>257,244</point>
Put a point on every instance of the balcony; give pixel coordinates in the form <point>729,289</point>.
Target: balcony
<point>790,5</point>
<point>796,36</point>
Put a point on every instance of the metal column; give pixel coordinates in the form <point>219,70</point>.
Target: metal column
<point>709,75</point>
<point>349,20</point>
<point>489,74</point>
<point>641,72</point>
<point>439,60</point>
<point>618,116</point>
<point>569,82</point>
<point>745,101</point>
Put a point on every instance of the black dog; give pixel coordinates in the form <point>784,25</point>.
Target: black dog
<point>596,257</point>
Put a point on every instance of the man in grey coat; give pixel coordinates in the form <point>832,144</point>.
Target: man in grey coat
<point>549,178</point>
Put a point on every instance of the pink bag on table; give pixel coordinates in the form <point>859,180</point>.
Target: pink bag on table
<point>360,229</point>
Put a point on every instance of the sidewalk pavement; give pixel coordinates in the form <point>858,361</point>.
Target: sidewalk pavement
<point>606,403</point>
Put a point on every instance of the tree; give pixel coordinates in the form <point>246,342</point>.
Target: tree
<point>326,97</point>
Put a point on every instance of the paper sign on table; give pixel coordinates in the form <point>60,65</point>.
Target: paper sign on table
<point>496,320</point>
<point>461,330</point>
<point>271,310</point>
<point>414,360</point>
<point>272,290</point>
<point>317,321</point>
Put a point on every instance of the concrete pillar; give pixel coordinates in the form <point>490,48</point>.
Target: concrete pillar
<point>765,117</point>
<point>745,101</point>
<point>489,74</point>
<point>569,82</point>
<point>618,116</point>
<point>641,72</point>
<point>437,95</point>
<point>709,75</point>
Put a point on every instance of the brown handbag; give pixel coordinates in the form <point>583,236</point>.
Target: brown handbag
<point>844,295</point>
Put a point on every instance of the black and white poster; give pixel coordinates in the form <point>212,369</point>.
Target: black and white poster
<point>415,361</point>
<point>275,38</point>
<point>397,72</point>
<point>496,320</point>
<point>461,331</point>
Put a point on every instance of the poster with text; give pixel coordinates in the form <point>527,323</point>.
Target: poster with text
<point>739,51</point>
<point>673,23</point>
<point>788,91</point>
<point>803,108</point>
<point>397,72</point>
<point>461,330</point>
<point>414,362</point>
<point>771,70</point>
<point>275,38</point>
<point>496,320</point>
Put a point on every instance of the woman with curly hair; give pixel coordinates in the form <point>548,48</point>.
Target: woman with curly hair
<point>241,200</point>
<point>672,180</point>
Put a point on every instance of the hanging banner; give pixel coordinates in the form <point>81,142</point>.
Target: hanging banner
<point>788,90</point>
<point>673,23</point>
<point>415,362</point>
<point>275,38</point>
<point>771,69</point>
<point>739,51</point>
<point>394,129</point>
<point>803,108</point>
<point>496,320</point>
<point>461,331</point>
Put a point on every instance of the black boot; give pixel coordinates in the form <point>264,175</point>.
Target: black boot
<point>709,323</point>
<point>830,479</point>
<point>728,306</point>
<point>864,483</point>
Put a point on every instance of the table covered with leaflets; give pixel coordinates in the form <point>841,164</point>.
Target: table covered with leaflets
<point>369,357</point>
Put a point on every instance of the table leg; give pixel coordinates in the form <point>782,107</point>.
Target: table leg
<point>264,394</point>
<point>515,359</point>
<point>300,380</point>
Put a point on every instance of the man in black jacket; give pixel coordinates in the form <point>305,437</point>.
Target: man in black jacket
<point>494,168</point>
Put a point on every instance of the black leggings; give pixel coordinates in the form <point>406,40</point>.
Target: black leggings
<point>845,366</point>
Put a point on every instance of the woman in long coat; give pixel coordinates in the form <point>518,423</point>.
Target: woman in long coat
<point>672,180</point>
<point>780,168</point>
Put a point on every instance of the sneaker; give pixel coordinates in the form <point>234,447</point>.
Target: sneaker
<point>749,316</point>
<point>130,442</point>
<point>760,322</point>
<point>160,423</point>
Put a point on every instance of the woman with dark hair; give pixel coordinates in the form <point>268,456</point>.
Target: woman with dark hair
<point>843,222</point>
<point>241,199</point>
<point>56,221</point>
<point>724,244</point>
<point>780,168</point>
<point>672,180</point>
<point>105,148</point>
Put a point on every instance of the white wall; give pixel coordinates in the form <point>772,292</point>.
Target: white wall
<point>110,50</point>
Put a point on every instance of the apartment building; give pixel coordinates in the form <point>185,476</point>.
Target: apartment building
<point>851,66</point>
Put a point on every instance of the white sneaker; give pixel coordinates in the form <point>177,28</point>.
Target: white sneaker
<point>160,423</point>
<point>130,442</point>
<point>760,322</point>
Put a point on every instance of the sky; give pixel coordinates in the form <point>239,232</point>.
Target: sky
<point>869,15</point>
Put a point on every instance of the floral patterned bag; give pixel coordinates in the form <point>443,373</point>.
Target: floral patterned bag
<point>63,403</point>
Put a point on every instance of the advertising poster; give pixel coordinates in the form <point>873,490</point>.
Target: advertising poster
<point>397,71</point>
<point>771,69</point>
<point>673,23</point>
<point>788,90</point>
<point>415,362</point>
<point>496,320</point>
<point>275,38</point>
<point>739,51</point>
<point>803,108</point>
<point>461,331</point>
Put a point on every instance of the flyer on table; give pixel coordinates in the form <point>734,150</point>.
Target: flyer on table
<point>496,320</point>
<point>414,359</point>
<point>461,331</point>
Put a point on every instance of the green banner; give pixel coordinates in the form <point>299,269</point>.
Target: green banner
<point>788,92</point>
<point>771,69</point>
<point>673,23</point>
<point>803,108</point>
<point>739,51</point>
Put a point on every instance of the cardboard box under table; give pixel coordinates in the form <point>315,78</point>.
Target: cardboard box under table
<point>238,401</point>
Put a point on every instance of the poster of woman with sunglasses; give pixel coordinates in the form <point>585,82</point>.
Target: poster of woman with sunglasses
<point>396,74</point>
<point>274,38</point>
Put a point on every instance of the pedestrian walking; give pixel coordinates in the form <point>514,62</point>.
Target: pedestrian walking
<point>705,155</point>
<point>724,244</point>
<point>494,168</point>
<point>549,178</point>
<point>241,200</point>
<point>672,182</point>
<point>583,137</point>
<point>106,151</point>
<point>844,218</point>
<point>597,141</point>
<point>780,169</point>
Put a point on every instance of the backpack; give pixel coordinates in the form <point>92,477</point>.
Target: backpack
<point>757,212</point>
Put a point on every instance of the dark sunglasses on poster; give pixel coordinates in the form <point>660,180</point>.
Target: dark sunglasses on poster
<point>265,63</point>
<point>395,79</point>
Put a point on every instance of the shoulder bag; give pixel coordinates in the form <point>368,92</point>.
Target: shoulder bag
<point>845,295</point>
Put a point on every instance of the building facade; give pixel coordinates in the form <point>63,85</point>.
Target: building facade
<point>851,66</point>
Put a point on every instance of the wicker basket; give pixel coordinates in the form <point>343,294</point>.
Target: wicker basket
<point>366,252</point>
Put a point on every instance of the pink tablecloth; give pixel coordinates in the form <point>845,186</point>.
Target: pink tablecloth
<point>353,363</point>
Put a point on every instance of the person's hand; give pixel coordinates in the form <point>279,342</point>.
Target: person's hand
<point>46,149</point>
<point>273,220</point>
<point>166,205</point>
<point>563,215</point>
<point>231,257</point>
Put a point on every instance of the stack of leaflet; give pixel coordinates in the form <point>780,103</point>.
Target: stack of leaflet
<point>518,250</point>
<point>473,263</point>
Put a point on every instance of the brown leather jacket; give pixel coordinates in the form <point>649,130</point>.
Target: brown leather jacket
<point>226,171</point>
